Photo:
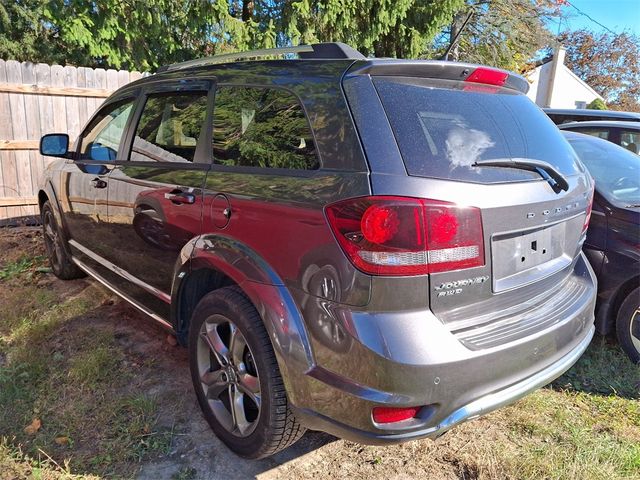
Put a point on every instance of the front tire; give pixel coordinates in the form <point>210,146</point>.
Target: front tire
<point>56,246</point>
<point>236,376</point>
<point>628,325</point>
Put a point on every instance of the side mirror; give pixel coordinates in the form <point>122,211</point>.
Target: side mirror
<point>55,145</point>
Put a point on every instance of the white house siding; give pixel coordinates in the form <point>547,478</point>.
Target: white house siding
<point>568,89</point>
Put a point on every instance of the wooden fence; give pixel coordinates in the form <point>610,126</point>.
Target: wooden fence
<point>36,99</point>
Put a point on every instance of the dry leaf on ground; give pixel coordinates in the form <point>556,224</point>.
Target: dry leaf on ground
<point>33,427</point>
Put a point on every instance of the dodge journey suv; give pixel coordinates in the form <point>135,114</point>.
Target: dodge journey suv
<point>379,249</point>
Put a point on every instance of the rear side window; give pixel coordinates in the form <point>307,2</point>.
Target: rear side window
<point>442,129</point>
<point>602,133</point>
<point>169,127</point>
<point>630,139</point>
<point>261,127</point>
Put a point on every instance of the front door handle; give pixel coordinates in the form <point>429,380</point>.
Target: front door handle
<point>178,197</point>
<point>98,183</point>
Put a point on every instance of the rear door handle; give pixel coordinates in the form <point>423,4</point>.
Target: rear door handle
<point>178,197</point>
<point>98,183</point>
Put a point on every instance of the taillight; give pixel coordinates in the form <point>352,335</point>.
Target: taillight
<point>393,414</point>
<point>488,76</point>
<point>588,217</point>
<point>385,235</point>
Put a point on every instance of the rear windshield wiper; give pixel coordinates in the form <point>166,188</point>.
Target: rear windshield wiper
<point>544,169</point>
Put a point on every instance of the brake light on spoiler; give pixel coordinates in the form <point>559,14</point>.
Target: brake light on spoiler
<point>488,76</point>
<point>388,235</point>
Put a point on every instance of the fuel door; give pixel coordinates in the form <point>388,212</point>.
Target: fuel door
<point>220,212</point>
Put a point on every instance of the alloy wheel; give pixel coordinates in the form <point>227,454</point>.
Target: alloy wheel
<point>228,375</point>
<point>634,329</point>
<point>52,239</point>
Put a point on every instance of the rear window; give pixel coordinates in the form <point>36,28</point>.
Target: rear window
<point>442,130</point>
<point>615,169</point>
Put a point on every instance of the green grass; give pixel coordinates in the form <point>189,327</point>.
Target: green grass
<point>586,425</point>
<point>574,435</point>
<point>24,264</point>
<point>61,369</point>
<point>603,370</point>
<point>14,464</point>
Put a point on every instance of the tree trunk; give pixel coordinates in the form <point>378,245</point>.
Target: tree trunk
<point>247,10</point>
<point>456,26</point>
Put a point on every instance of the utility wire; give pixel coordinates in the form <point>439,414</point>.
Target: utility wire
<point>589,17</point>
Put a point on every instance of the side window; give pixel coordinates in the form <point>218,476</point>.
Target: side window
<point>594,132</point>
<point>102,138</point>
<point>169,127</point>
<point>630,139</point>
<point>261,127</point>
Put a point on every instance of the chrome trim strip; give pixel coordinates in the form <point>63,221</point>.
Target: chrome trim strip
<point>123,273</point>
<point>491,402</point>
<point>126,297</point>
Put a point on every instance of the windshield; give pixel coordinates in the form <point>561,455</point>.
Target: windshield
<point>443,127</point>
<point>615,170</point>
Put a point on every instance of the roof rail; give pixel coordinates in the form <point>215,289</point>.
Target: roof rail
<point>335,50</point>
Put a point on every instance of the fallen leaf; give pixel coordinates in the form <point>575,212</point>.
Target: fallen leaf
<point>33,427</point>
<point>62,440</point>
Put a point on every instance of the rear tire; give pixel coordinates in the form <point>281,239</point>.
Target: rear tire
<point>628,325</point>
<point>57,247</point>
<point>236,376</point>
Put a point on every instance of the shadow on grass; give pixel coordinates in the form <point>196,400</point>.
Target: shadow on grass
<point>604,369</point>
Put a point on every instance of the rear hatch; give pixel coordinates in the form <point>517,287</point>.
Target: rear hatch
<point>488,147</point>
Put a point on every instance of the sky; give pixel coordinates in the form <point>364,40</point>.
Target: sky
<point>616,15</point>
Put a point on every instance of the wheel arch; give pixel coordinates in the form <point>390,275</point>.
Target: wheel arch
<point>621,294</point>
<point>47,193</point>
<point>215,261</point>
<point>42,197</point>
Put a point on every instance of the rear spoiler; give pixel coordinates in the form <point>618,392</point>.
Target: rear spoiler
<point>441,70</point>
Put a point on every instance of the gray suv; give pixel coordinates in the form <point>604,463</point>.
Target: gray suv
<point>379,249</point>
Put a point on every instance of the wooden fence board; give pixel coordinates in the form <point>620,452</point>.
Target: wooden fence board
<point>67,91</point>
<point>7,158</point>
<point>92,103</point>
<point>32,115</point>
<point>71,103</point>
<point>45,102</point>
<point>19,124</point>
<point>123,78</point>
<point>36,99</point>
<point>18,144</point>
<point>100,81</point>
<point>18,201</point>
<point>59,105</point>
<point>83,111</point>
<point>112,79</point>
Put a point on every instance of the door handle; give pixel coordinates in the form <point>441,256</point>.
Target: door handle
<point>179,197</point>
<point>98,183</point>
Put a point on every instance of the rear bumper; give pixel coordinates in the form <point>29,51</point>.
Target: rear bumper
<point>410,358</point>
<point>475,409</point>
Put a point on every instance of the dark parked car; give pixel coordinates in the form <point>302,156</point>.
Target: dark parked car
<point>565,115</point>
<point>613,237</point>
<point>625,134</point>
<point>380,249</point>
